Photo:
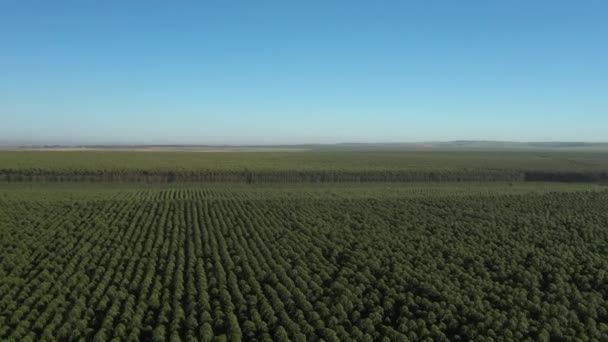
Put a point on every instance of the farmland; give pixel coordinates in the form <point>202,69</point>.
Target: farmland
<point>474,259</point>
<point>289,167</point>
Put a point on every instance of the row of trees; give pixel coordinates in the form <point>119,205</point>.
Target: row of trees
<point>286,176</point>
<point>583,177</point>
<point>193,265</point>
<point>257,176</point>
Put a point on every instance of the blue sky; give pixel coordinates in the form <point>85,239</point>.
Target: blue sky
<point>251,72</point>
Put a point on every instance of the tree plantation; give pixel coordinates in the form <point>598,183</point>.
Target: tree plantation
<point>302,263</point>
<point>301,167</point>
<point>303,171</point>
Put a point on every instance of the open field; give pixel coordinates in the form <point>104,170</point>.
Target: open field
<point>327,166</point>
<point>202,149</point>
<point>449,261</point>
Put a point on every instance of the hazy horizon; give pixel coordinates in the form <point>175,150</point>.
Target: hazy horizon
<point>276,73</point>
<point>450,143</point>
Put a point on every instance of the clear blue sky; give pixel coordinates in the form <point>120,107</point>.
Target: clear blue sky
<point>302,71</point>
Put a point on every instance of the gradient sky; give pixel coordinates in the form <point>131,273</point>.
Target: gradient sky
<point>243,72</point>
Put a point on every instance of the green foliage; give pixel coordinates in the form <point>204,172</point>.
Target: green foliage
<point>299,264</point>
<point>288,167</point>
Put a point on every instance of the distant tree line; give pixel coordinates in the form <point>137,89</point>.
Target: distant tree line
<point>257,176</point>
<point>586,177</point>
<point>294,176</point>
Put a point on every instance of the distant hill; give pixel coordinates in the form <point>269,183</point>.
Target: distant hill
<point>472,145</point>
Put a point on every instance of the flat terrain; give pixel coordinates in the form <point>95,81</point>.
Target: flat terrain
<point>324,160</point>
<point>203,149</point>
<point>286,167</point>
<point>303,246</point>
<point>443,261</point>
